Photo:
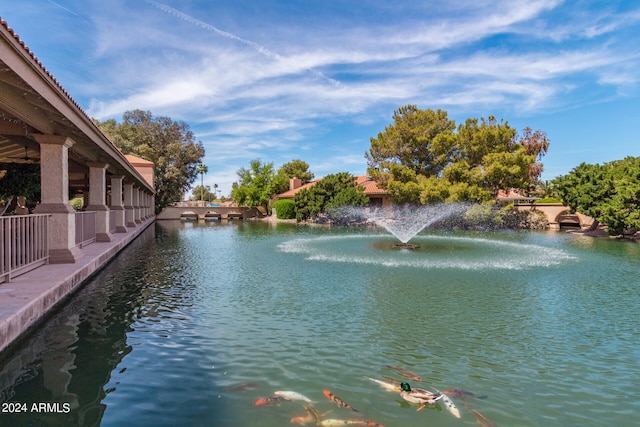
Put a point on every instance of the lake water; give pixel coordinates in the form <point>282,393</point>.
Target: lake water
<point>194,322</point>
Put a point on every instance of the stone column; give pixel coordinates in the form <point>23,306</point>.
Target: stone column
<point>116,203</point>
<point>128,205</point>
<point>147,211</point>
<point>98,199</point>
<point>136,205</point>
<point>54,186</point>
<point>152,205</point>
<point>143,205</point>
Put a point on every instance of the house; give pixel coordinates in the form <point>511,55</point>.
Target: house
<point>377,196</point>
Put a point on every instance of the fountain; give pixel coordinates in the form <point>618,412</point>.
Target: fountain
<point>406,221</point>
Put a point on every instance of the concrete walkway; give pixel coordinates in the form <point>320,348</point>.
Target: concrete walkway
<point>30,297</point>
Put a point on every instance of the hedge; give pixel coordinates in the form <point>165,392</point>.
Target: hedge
<point>285,209</point>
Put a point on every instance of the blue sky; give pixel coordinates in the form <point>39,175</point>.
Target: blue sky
<point>315,80</point>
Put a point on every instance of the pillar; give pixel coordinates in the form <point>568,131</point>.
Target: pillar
<point>116,204</point>
<point>98,199</point>
<point>136,205</point>
<point>128,205</point>
<point>54,187</point>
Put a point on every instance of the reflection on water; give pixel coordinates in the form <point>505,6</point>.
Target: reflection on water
<point>195,322</point>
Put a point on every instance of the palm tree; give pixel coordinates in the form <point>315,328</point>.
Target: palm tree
<point>202,169</point>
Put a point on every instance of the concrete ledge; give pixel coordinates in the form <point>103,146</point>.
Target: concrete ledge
<point>27,299</point>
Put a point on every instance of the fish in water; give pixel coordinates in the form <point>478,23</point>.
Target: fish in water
<point>451,407</point>
<point>243,387</point>
<point>385,385</point>
<point>338,401</point>
<point>405,373</point>
<point>292,395</point>
<point>312,416</point>
<point>270,400</point>
<point>480,419</point>
<point>462,394</point>
<point>332,422</point>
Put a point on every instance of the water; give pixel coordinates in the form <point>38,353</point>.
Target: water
<point>544,325</point>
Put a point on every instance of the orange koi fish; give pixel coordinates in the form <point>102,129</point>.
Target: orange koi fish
<point>405,372</point>
<point>480,419</point>
<point>270,400</point>
<point>338,401</point>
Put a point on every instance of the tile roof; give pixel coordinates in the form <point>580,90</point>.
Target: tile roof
<point>369,186</point>
<point>290,194</point>
<point>137,160</point>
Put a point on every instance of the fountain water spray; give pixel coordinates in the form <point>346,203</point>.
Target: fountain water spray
<point>405,221</point>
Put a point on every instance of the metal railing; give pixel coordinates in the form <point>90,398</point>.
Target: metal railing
<point>24,240</point>
<point>85,228</point>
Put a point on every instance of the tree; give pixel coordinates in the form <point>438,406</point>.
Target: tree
<point>202,193</point>
<point>419,140</point>
<point>20,179</point>
<point>254,186</point>
<point>293,169</point>
<point>169,144</point>
<point>610,193</point>
<point>424,158</point>
<point>202,169</point>
<point>331,192</point>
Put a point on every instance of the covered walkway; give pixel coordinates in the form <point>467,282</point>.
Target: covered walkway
<point>47,252</point>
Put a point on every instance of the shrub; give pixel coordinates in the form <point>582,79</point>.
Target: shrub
<point>77,203</point>
<point>285,209</point>
<point>548,200</point>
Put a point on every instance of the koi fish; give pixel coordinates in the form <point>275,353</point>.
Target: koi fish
<point>480,419</point>
<point>338,401</point>
<point>312,416</point>
<point>391,379</point>
<point>462,394</point>
<point>405,372</point>
<point>332,422</point>
<point>243,387</point>
<point>292,395</point>
<point>451,407</point>
<point>270,400</point>
<point>385,385</point>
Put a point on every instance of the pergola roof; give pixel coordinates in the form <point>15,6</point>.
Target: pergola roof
<point>34,102</point>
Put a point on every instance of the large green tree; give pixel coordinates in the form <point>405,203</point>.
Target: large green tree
<point>333,191</point>
<point>610,193</point>
<point>424,158</point>
<point>254,185</point>
<point>169,144</point>
<point>418,142</point>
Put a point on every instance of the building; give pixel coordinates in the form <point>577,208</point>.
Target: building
<point>377,196</point>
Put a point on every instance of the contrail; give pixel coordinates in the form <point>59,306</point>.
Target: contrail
<point>62,7</point>
<point>257,47</point>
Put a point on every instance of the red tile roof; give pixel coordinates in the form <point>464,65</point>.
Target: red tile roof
<point>290,194</point>
<point>370,187</point>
